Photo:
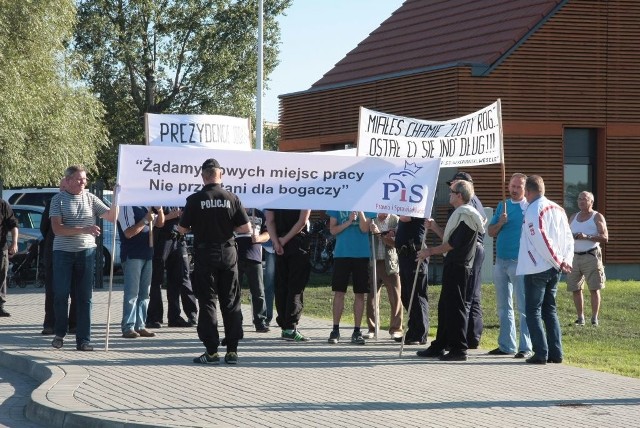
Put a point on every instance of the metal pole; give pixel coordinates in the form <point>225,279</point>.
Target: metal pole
<point>113,257</point>
<point>259,120</point>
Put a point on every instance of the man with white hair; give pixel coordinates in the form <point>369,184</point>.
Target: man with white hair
<point>589,230</point>
<point>459,240</point>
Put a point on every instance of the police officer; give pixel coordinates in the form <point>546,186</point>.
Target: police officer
<point>213,214</point>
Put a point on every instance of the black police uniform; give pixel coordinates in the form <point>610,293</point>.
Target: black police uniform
<point>170,253</point>
<point>212,214</point>
<point>408,241</point>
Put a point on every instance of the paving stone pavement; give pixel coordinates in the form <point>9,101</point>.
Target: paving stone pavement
<point>153,382</point>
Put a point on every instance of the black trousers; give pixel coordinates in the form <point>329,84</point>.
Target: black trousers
<point>475,324</point>
<point>171,256</point>
<point>452,312</point>
<point>292,275</point>
<point>418,322</point>
<point>215,279</point>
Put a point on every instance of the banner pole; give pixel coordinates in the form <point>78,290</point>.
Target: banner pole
<point>502,164</point>
<point>113,257</point>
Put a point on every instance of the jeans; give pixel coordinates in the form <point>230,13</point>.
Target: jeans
<point>137,283</point>
<point>507,283</point>
<point>540,301</point>
<point>253,271</point>
<point>74,267</point>
<point>269,278</point>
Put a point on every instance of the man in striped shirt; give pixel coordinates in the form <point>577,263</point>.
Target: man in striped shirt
<point>73,212</point>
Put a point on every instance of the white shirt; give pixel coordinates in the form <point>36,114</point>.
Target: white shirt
<point>546,240</point>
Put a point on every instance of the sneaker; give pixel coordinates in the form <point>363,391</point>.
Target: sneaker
<point>334,336</point>
<point>369,335</point>
<point>579,321</point>
<point>231,358</point>
<point>130,334</point>
<point>145,333</point>
<point>595,322</point>
<point>294,336</point>
<point>207,359</point>
<point>357,339</point>
<point>524,354</point>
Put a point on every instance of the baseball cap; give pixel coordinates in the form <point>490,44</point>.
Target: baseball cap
<point>210,163</point>
<point>461,176</point>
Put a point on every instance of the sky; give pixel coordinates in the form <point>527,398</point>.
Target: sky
<point>315,35</point>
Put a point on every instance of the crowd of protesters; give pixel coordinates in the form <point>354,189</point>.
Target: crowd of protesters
<point>535,244</point>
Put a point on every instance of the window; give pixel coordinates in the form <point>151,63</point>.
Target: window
<point>580,146</point>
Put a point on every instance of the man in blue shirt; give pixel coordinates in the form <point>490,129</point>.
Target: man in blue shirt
<point>506,228</point>
<point>350,257</point>
<point>136,252</point>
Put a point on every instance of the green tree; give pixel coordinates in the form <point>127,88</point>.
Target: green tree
<point>173,56</point>
<point>271,138</point>
<point>47,120</point>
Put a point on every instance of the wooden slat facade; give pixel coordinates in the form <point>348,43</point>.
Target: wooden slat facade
<point>578,70</point>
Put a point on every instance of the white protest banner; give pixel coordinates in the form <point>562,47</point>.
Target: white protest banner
<point>198,130</point>
<point>475,139</point>
<point>265,179</point>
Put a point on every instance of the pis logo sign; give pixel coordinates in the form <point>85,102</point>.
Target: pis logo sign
<point>397,185</point>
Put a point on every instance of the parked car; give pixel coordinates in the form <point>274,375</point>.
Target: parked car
<point>26,266</point>
<point>30,216</point>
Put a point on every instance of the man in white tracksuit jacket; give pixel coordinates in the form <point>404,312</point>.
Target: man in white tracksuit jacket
<point>546,250</point>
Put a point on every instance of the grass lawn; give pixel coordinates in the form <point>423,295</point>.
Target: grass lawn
<point>612,347</point>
